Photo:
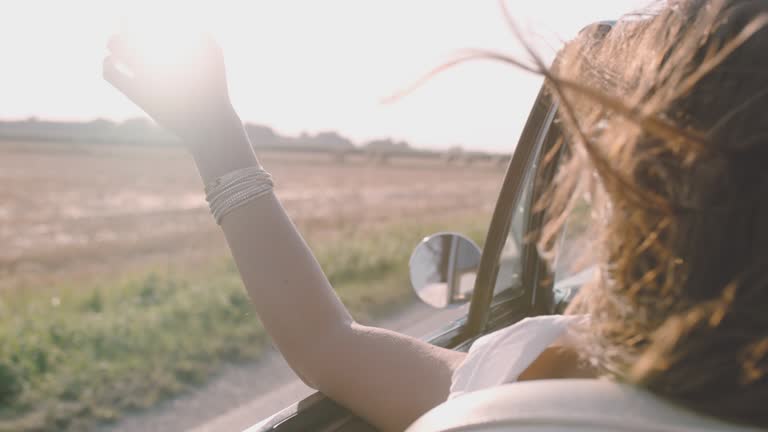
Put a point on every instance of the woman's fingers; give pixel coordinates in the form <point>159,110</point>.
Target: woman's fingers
<point>120,80</point>
<point>124,53</point>
<point>114,75</point>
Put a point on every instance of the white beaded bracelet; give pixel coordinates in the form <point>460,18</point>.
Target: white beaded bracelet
<point>235,189</point>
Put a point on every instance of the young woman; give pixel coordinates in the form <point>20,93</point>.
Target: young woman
<point>668,121</point>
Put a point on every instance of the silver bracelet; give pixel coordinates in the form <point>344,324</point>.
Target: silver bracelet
<point>228,179</point>
<point>214,199</point>
<point>235,189</point>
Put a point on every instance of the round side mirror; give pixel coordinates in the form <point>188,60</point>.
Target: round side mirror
<point>443,269</point>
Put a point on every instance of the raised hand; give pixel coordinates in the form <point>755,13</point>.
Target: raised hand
<point>180,81</point>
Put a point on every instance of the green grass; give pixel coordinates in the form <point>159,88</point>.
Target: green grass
<point>72,355</point>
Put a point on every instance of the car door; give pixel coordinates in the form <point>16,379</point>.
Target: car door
<point>507,280</point>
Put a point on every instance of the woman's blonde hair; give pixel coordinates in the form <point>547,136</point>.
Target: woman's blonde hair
<point>667,124</point>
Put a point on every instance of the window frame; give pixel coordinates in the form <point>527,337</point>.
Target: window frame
<point>488,312</point>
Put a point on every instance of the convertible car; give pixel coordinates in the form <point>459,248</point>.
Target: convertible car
<point>506,282</point>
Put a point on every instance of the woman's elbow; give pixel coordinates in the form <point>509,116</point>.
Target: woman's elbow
<point>319,362</point>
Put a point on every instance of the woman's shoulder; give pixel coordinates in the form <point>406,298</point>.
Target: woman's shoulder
<point>500,357</point>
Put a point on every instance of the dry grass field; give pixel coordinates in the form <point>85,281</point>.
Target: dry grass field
<point>88,209</point>
<point>116,289</point>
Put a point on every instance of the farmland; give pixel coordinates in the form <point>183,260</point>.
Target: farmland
<point>92,209</point>
<point>113,273</point>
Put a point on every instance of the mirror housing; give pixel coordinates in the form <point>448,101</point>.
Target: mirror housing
<point>443,268</point>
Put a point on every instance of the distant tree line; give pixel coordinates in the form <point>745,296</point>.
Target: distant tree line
<point>142,131</point>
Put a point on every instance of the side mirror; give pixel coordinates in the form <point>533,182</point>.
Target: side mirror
<point>443,269</point>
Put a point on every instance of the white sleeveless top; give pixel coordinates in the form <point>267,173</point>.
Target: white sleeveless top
<point>500,357</point>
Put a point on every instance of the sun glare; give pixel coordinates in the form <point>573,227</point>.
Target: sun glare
<point>295,65</point>
<point>162,36</point>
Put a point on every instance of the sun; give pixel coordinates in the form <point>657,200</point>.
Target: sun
<point>165,34</point>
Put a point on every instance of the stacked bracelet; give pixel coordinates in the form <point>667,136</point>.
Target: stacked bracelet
<point>235,189</point>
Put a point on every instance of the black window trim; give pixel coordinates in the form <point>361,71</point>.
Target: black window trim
<point>483,307</point>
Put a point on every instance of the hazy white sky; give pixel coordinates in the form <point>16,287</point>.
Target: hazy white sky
<point>304,65</point>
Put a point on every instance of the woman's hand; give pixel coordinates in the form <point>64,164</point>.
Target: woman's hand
<point>181,85</point>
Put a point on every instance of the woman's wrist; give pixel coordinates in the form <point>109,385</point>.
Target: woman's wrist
<point>222,147</point>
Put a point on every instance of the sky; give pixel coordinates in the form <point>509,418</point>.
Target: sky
<point>305,65</point>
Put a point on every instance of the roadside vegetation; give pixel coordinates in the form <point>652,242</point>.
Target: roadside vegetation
<point>75,355</point>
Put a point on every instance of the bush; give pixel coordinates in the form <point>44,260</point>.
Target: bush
<point>10,384</point>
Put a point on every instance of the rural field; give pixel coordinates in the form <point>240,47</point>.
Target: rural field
<point>116,288</point>
<point>91,209</point>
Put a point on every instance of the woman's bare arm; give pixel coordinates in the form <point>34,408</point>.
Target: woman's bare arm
<point>385,377</point>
